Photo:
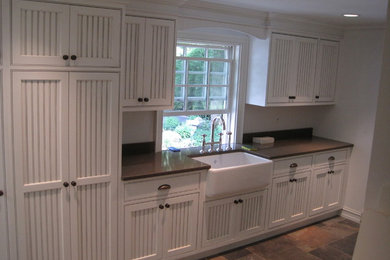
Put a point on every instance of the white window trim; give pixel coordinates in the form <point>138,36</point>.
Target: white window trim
<point>237,98</point>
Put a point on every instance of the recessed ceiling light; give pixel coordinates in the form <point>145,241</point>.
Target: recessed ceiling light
<point>351,15</point>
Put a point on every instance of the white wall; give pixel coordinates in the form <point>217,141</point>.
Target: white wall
<point>352,119</point>
<point>374,235</point>
<point>138,127</point>
<point>259,119</point>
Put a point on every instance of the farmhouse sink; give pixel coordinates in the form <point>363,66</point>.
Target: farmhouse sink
<point>236,172</point>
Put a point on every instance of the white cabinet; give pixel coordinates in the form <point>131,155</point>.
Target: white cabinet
<point>3,192</point>
<point>64,35</point>
<point>149,71</point>
<point>326,72</point>
<point>65,142</point>
<point>234,217</point>
<point>326,189</point>
<point>289,198</point>
<point>161,228</point>
<point>287,70</point>
<point>292,69</point>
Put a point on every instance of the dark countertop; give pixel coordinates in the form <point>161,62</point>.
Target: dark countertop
<point>167,162</point>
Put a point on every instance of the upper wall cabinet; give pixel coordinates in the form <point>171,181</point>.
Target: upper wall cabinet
<point>150,53</point>
<point>287,70</point>
<point>64,35</point>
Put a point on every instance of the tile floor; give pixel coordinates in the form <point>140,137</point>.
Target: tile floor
<point>332,239</point>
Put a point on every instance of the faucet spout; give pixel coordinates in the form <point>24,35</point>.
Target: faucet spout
<point>213,129</point>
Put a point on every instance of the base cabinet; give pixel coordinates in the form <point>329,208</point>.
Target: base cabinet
<point>161,228</point>
<point>234,217</point>
<point>326,189</point>
<point>289,198</point>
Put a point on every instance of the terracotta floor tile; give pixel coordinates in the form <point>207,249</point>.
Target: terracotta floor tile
<point>350,223</point>
<point>271,246</point>
<point>292,254</point>
<point>347,245</point>
<point>242,254</point>
<point>341,229</point>
<point>330,253</point>
<point>216,258</point>
<point>312,237</point>
<point>330,221</point>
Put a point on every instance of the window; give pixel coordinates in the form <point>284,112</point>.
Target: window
<point>202,91</point>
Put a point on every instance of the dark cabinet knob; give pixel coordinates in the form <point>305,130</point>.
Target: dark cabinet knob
<point>65,57</point>
<point>140,99</point>
<point>146,99</point>
<point>291,97</point>
<point>317,97</point>
<point>1,193</point>
<point>235,201</point>
<point>240,201</point>
<point>167,206</point>
<point>66,184</point>
<point>73,183</point>
<point>291,180</point>
<point>331,158</point>
<point>161,206</point>
<point>293,165</point>
<point>73,57</point>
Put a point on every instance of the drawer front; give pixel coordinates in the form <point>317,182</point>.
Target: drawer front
<point>292,165</point>
<point>161,186</point>
<point>330,158</point>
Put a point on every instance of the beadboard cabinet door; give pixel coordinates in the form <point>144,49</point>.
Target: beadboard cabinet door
<point>150,53</point>
<point>94,36</point>
<point>281,71</point>
<point>161,229</point>
<point>40,132</point>
<point>326,189</point>
<point>251,213</point>
<point>4,249</point>
<point>65,35</point>
<point>65,129</point>
<point>289,198</point>
<point>40,33</point>
<point>326,75</point>
<point>93,113</point>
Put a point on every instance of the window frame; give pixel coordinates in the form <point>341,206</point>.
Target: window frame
<point>237,97</point>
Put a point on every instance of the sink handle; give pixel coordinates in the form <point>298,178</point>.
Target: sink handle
<point>164,187</point>
<point>293,165</point>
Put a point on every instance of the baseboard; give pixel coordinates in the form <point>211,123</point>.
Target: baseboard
<point>351,214</point>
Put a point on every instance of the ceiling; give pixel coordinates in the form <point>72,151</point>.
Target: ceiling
<point>372,12</point>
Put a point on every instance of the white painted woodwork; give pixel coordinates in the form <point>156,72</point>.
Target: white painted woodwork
<point>180,225</point>
<point>306,51</point>
<point>134,65</point>
<point>95,36</point>
<point>326,189</point>
<point>224,219</point>
<point>65,130</point>
<point>155,233</point>
<point>149,188</point>
<point>218,218</point>
<point>144,231</point>
<point>251,215</point>
<point>4,249</point>
<point>289,199</point>
<point>327,66</point>
<point>150,46</point>
<point>281,72</point>
<point>283,166</point>
<point>40,127</point>
<point>94,105</point>
<point>330,158</point>
<point>40,33</point>
<point>44,32</point>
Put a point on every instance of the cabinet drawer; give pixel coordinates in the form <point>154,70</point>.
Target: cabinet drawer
<point>331,157</point>
<point>292,165</point>
<point>161,186</point>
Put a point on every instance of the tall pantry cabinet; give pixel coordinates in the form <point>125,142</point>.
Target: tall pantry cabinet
<point>63,127</point>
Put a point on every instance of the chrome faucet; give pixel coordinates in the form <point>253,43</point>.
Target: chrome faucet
<point>212,142</point>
